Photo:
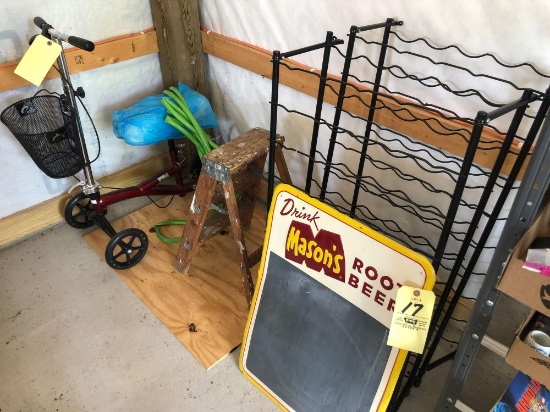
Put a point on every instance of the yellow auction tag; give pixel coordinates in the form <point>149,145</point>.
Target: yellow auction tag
<point>411,318</point>
<point>38,59</point>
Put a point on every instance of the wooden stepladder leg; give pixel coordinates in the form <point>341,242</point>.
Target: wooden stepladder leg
<point>284,174</point>
<point>282,167</point>
<point>200,205</point>
<point>257,167</point>
<point>232,208</point>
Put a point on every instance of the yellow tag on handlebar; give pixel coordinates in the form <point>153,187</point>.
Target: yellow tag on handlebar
<point>36,62</point>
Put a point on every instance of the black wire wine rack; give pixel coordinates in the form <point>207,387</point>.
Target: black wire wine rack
<point>434,173</point>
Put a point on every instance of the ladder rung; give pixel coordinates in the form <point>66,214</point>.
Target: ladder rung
<point>216,222</point>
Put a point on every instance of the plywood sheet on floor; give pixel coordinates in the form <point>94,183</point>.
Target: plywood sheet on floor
<point>211,295</point>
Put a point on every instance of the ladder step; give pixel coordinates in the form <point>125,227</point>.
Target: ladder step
<point>236,154</point>
<point>216,222</point>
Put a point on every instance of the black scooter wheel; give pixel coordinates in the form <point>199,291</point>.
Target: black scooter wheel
<point>79,212</point>
<point>126,248</point>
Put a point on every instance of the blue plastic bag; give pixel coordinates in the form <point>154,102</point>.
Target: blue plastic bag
<point>143,123</point>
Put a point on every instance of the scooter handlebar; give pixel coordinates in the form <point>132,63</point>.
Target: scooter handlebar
<point>81,43</point>
<point>40,22</point>
<point>72,40</point>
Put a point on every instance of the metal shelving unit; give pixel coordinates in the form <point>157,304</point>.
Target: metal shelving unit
<point>531,193</point>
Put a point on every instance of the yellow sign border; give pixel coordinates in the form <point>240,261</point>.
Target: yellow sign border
<point>416,257</point>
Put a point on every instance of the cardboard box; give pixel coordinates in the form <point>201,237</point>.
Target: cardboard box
<point>530,288</point>
<point>526,359</point>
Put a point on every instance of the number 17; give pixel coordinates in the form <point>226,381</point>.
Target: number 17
<point>419,307</point>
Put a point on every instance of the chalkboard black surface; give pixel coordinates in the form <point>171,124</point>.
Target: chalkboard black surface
<point>315,350</point>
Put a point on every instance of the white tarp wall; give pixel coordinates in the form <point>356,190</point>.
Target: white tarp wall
<point>515,32</point>
<point>108,89</point>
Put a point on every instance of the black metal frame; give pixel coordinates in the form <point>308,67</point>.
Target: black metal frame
<point>472,243</point>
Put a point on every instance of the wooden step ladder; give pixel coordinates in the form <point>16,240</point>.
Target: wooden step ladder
<point>230,175</point>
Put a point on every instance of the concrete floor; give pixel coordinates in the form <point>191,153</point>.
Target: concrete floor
<point>74,337</point>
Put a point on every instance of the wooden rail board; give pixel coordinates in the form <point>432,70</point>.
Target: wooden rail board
<point>105,53</point>
<point>209,296</point>
<point>50,212</point>
<point>259,61</point>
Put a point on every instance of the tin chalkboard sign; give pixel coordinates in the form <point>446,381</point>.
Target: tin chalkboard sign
<point>316,335</point>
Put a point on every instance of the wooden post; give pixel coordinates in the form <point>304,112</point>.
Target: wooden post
<point>180,45</point>
<point>180,51</point>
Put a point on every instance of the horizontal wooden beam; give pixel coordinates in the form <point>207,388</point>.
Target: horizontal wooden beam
<point>105,53</point>
<point>258,61</point>
<point>50,212</point>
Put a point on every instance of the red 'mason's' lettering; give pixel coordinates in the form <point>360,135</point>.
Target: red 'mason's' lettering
<point>321,252</point>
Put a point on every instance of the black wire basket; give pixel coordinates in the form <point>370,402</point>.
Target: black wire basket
<point>46,127</point>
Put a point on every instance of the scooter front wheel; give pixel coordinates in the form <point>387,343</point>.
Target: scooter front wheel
<point>79,212</point>
<point>126,248</point>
